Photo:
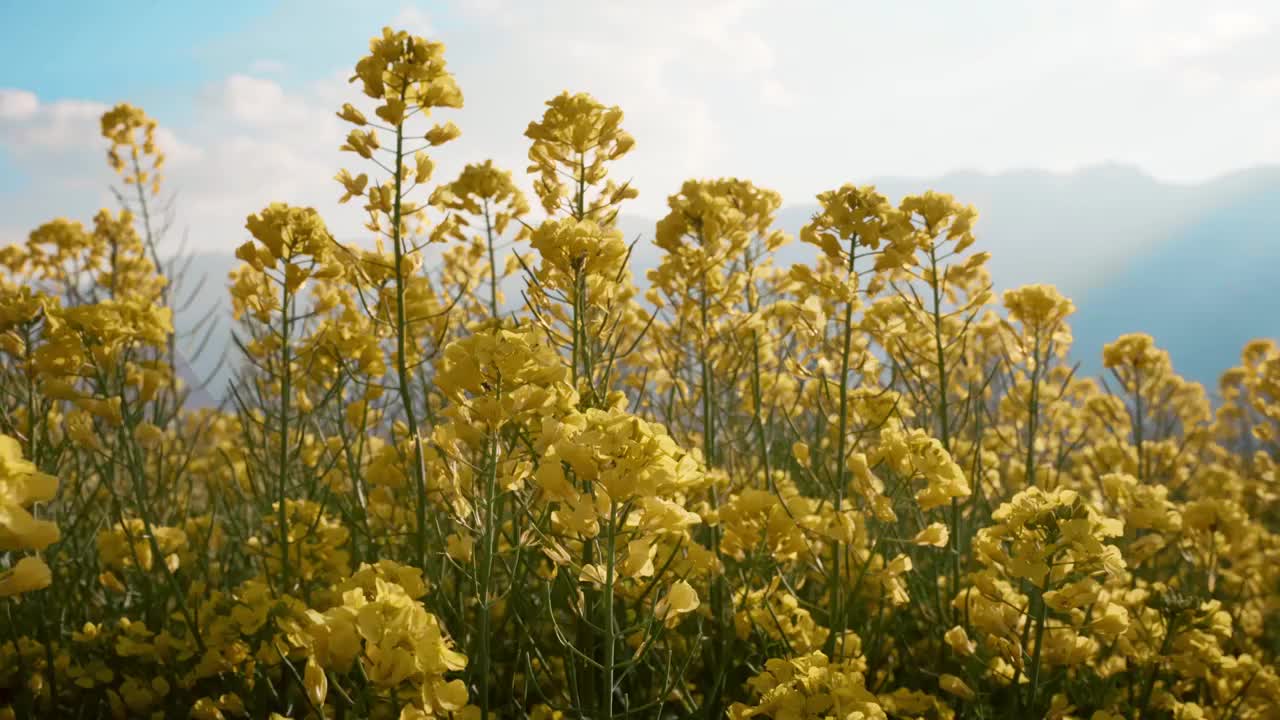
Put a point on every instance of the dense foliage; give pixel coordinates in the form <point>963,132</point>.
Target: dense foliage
<point>857,487</point>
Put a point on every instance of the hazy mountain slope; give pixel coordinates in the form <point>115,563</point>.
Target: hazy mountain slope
<point>1206,289</point>
<point>202,290</point>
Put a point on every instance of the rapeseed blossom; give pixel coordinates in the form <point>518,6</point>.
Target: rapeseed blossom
<point>460,476</point>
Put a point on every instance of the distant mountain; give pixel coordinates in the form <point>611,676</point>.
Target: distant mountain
<point>1197,266</point>
<point>201,345</point>
<point>1205,289</point>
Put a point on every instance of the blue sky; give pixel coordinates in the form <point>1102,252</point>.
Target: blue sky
<point>149,50</point>
<point>798,95</point>
<point>160,54</point>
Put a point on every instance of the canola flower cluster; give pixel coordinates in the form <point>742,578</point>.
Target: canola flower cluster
<point>859,487</point>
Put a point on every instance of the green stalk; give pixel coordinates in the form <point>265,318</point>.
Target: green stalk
<point>757,393</point>
<point>493,263</point>
<point>609,641</point>
<point>936,287</point>
<point>486,572</point>
<point>579,323</point>
<point>1150,683</point>
<point>834,582</point>
<point>1039,639</point>
<point>171,339</point>
<point>710,450</point>
<point>943,411</point>
<point>286,380</point>
<point>404,377</point>
<point>1138,420</point>
<point>757,398</point>
<point>1033,407</point>
<point>137,477</point>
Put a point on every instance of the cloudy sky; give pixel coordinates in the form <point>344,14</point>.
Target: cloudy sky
<point>798,95</point>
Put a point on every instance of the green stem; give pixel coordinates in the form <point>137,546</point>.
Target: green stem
<point>835,582</point>
<point>1039,640</point>
<point>1033,410</point>
<point>486,572</point>
<point>403,376</point>
<point>943,411</point>
<point>607,626</point>
<point>1138,420</point>
<point>710,451</point>
<point>171,339</point>
<point>286,379</point>
<point>493,263</point>
<point>1150,683</point>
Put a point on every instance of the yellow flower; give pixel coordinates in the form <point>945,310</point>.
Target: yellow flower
<point>353,187</point>
<point>148,435</point>
<point>639,560</point>
<point>1038,307</point>
<point>857,216</point>
<point>955,686</point>
<point>129,129</point>
<point>286,231</point>
<point>1135,350</point>
<point>460,547</point>
<point>681,598</point>
<point>912,453</point>
<point>1114,621</point>
<point>352,115</point>
<point>936,535</point>
<point>404,71</point>
<point>571,246</point>
<point>316,682</point>
<point>958,640</point>
<point>29,573</point>
<point>441,134</point>
<point>578,136</point>
<point>21,485</point>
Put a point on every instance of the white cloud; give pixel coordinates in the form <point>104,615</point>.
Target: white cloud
<point>55,127</point>
<point>258,102</point>
<point>17,104</point>
<point>59,154</point>
<point>772,92</point>
<point>1264,88</point>
<point>252,145</point>
<point>414,20</point>
<point>1216,33</point>
<point>1201,81</point>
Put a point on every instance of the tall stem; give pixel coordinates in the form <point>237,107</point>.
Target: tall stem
<point>835,582</point>
<point>493,262</point>
<point>486,570</point>
<point>607,625</point>
<point>944,419</point>
<point>711,453</point>
<point>282,480</point>
<point>403,376</point>
<point>1039,640</point>
<point>757,391</point>
<point>1033,410</point>
<point>1138,420</point>
<point>1150,683</point>
<point>145,209</point>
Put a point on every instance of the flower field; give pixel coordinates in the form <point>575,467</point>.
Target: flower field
<point>474,468</point>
